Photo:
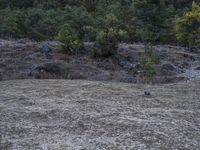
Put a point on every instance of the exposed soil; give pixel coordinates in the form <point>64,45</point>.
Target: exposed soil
<point>92,115</point>
<point>86,115</point>
<point>23,59</point>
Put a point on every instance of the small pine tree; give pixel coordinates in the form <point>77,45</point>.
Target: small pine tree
<point>150,62</point>
<point>70,41</point>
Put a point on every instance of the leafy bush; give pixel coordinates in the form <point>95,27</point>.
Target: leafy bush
<point>11,24</point>
<point>151,54</point>
<point>150,68</point>
<point>70,41</point>
<point>151,60</point>
<point>42,22</point>
<point>153,19</point>
<point>76,17</point>
<point>107,43</point>
<point>148,34</point>
<point>109,20</point>
<point>144,20</point>
<point>16,3</point>
<point>188,27</point>
<point>90,33</point>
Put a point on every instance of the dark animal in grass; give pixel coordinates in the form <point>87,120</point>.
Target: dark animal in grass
<point>146,93</point>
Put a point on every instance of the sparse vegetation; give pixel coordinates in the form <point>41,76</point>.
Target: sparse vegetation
<point>151,60</point>
<point>83,74</point>
<point>105,22</point>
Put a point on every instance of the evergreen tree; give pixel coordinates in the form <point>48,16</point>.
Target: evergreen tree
<point>153,19</point>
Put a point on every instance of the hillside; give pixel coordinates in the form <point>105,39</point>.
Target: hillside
<point>86,115</point>
<point>25,59</point>
<point>99,74</point>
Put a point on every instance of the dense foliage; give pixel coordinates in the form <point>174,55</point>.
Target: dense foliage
<point>188,27</point>
<point>149,21</point>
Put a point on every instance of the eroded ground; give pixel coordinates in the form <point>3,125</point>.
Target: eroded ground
<point>86,115</point>
<point>23,59</point>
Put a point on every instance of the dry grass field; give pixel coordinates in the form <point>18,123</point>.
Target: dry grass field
<point>91,115</point>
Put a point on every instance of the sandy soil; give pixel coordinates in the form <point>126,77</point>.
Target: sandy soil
<point>86,115</point>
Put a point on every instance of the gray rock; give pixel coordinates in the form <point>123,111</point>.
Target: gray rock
<point>194,49</point>
<point>168,69</point>
<point>22,41</point>
<point>197,68</point>
<point>45,49</point>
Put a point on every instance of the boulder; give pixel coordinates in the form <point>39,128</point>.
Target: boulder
<point>194,49</point>
<point>197,68</point>
<point>45,49</point>
<point>168,70</point>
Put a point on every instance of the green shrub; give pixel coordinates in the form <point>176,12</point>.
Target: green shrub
<point>153,19</point>
<point>148,35</point>
<point>76,17</point>
<point>122,35</point>
<point>90,33</point>
<point>70,41</point>
<point>151,54</point>
<point>150,68</point>
<point>151,60</point>
<point>188,27</point>
<point>107,42</point>
<point>109,20</point>
<point>11,24</point>
<point>144,20</point>
<point>44,22</point>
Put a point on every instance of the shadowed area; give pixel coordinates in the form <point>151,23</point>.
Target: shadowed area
<point>86,115</point>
